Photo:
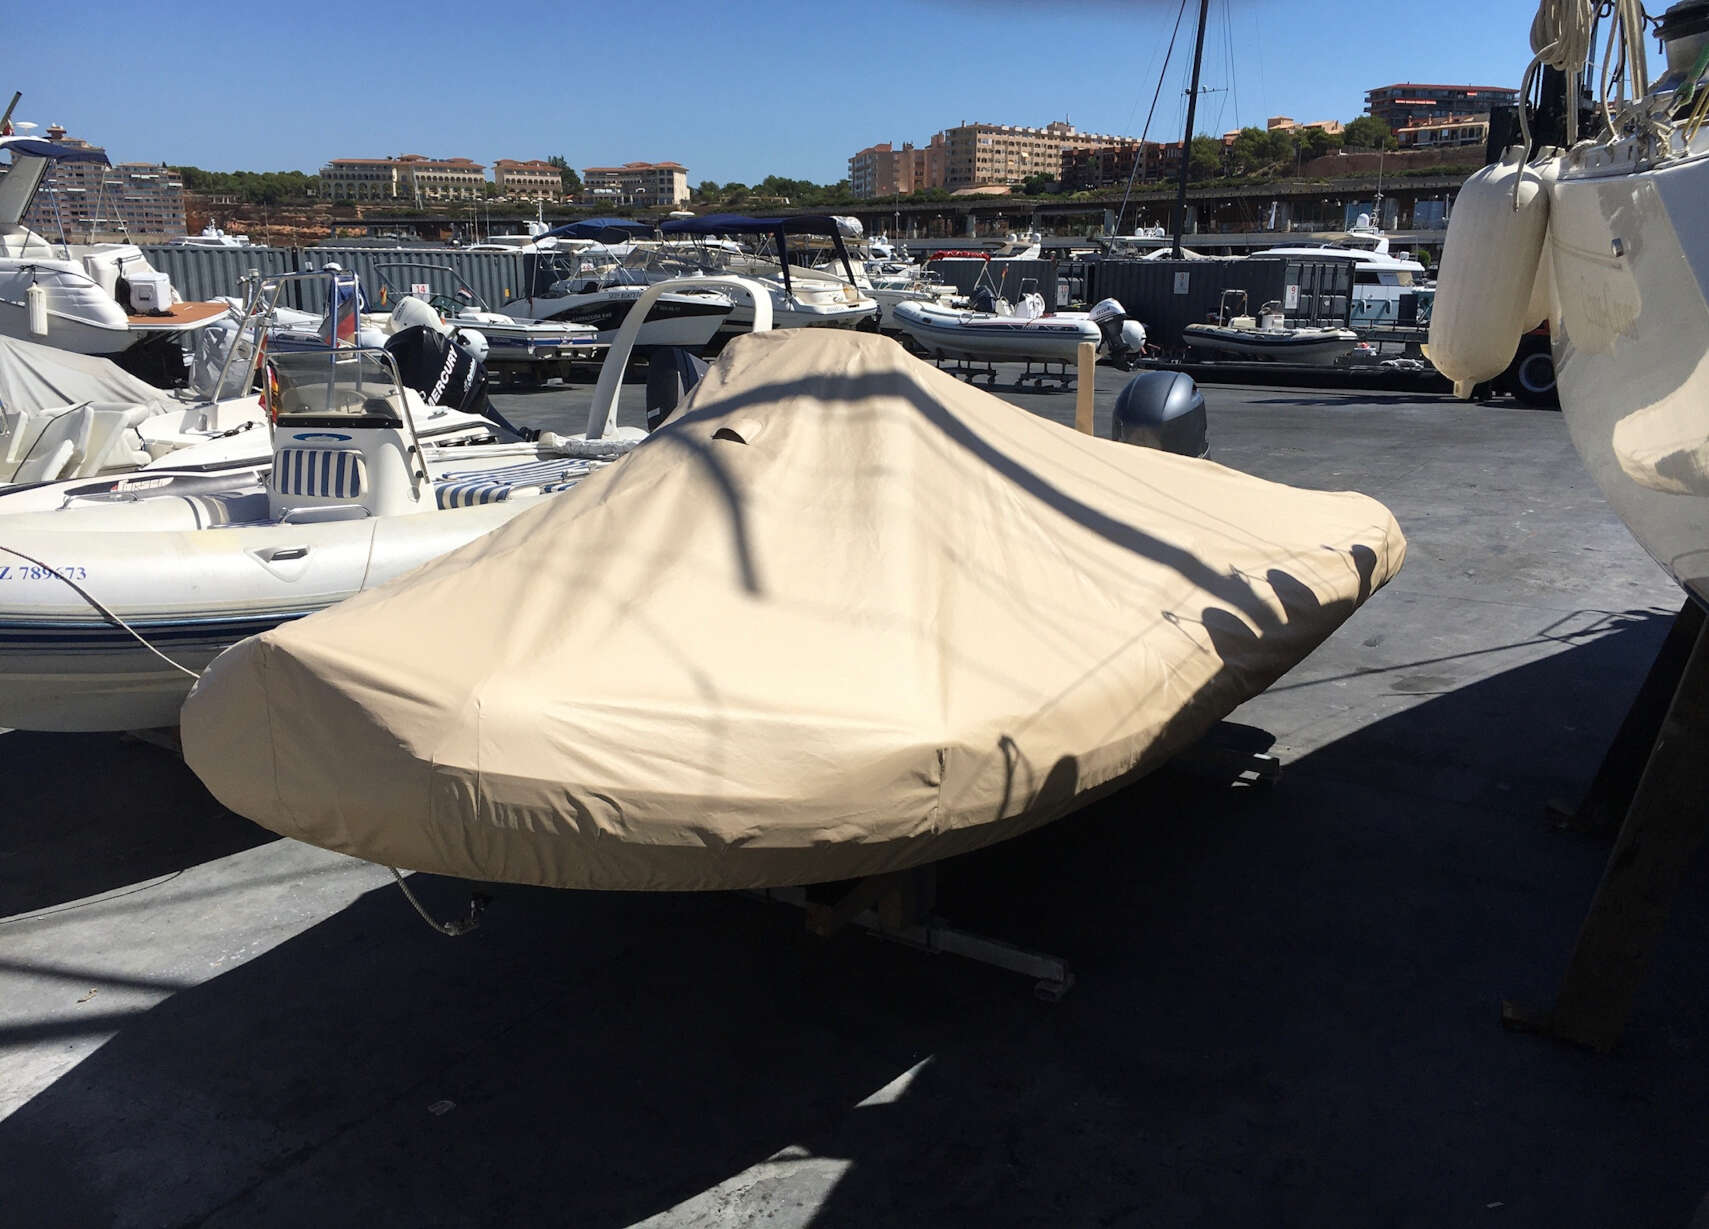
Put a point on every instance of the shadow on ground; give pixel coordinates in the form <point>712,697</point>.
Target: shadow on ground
<point>1286,1015</point>
<point>62,838</point>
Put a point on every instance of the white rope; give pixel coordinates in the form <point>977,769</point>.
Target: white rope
<point>104,612</point>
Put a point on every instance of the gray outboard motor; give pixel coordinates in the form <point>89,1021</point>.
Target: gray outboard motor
<point>672,373</point>
<point>1164,410</point>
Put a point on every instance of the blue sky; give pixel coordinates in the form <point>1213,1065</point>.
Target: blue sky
<point>733,91</point>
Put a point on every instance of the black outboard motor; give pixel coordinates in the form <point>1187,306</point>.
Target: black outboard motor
<point>982,300</point>
<point>1164,410</point>
<point>446,374</point>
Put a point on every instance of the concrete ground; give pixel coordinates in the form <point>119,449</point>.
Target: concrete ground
<point>1286,1009</point>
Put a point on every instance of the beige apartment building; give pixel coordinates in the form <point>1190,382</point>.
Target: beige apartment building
<point>140,201</point>
<point>440,179</point>
<point>637,183</point>
<point>535,179</point>
<point>971,155</point>
<point>359,179</point>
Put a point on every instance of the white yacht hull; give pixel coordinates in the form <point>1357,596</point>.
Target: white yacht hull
<point>688,321</point>
<point>1630,327</point>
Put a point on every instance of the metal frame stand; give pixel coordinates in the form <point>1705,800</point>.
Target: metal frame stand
<point>1066,375</point>
<point>1662,828</point>
<point>897,906</point>
<point>966,369</point>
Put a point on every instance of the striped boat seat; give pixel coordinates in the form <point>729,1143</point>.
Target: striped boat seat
<point>492,486</point>
<point>320,473</point>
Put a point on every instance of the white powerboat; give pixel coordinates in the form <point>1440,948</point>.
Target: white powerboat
<point>100,298</point>
<point>595,273</point>
<point>1382,282</point>
<point>801,297</point>
<point>1267,339</point>
<point>114,597</point>
<point>210,236</point>
<point>509,338</point>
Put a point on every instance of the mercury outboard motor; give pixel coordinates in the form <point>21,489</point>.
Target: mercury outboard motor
<point>446,373</point>
<point>1163,410</point>
<point>1124,337</point>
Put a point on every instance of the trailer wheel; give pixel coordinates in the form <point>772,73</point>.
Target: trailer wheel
<point>1531,377</point>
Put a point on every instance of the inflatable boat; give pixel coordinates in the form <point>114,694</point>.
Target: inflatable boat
<point>764,650</point>
<point>114,599</point>
<point>1268,338</point>
<point>1025,331</point>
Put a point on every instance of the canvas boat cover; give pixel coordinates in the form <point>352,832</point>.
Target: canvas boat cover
<point>65,415</point>
<point>841,615</point>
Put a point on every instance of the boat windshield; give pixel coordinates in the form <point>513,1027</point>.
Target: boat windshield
<point>343,387</point>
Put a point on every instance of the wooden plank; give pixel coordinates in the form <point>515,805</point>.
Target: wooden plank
<point>1667,822</point>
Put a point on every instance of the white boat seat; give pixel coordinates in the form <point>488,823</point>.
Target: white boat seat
<point>320,473</point>
<point>490,486</point>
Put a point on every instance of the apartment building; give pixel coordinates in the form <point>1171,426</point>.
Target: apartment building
<point>1445,133</point>
<point>1288,124</point>
<point>140,201</point>
<point>1409,104</point>
<point>971,155</point>
<point>638,183</point>
<point>535,179</point>
<point>359,179</point>
<point>440,179</point>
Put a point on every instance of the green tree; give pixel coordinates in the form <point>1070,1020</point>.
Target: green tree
<point>1249,152</point>
<point>1037,183</point>
<point>1367,132</point>
<point>1204,158</point>
<point>568,180</point>
<point>1315,142</point>
<point>707,190</point>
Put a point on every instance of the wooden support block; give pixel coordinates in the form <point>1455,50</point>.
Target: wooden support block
<point>1085,386</point>
<point>1667,821</point>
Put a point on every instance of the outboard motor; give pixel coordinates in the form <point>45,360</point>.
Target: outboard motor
<point>1163,410</point>
<point>672,373</point>
<point>982,300</point>
<point>446,372</point>
<point>1124,337</point>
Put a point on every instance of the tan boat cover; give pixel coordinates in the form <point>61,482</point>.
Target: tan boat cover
<point>844,614</point>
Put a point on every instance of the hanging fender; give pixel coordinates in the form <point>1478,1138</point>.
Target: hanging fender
<point>1488,282</point>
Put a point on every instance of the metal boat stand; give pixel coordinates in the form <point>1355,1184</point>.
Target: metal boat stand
<point>1663,820</point>
<point>966,369</point>
<point>897,906</point>
<point>1065,376</point>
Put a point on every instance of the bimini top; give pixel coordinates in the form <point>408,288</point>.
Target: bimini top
<point>34,147</point>
<point>739,224</point>
<point>842,614</point>
<point>603,229</point>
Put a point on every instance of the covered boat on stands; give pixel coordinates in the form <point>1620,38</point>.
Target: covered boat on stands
<point>842,615</point>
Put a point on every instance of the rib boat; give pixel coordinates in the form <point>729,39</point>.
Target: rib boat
<point>841,615</point>
<point>114,597</point>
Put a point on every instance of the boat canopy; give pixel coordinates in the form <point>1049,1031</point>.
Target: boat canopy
<point>606,230</point>
<point>33,147</point>
<point>778,229</point>
<point>841,615</point>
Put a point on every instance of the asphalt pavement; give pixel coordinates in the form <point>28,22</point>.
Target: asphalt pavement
<point>1286,1009</point>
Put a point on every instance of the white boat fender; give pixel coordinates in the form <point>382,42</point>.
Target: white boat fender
<point>1489,268</point>
<point>37,298</point>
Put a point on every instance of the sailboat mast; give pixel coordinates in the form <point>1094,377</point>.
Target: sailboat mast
<point>1187,140</point>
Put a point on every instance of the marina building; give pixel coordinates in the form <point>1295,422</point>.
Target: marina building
<point>638,183</point>
<point>535,179</point>
<point>140,201</point>
<point>1408,104</point>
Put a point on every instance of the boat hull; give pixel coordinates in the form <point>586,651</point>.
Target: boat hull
<point>947,333</point>
<point>1629,328</point>
<point>1254,346</point>
<point>191,593</point>
<point>688,321</point>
